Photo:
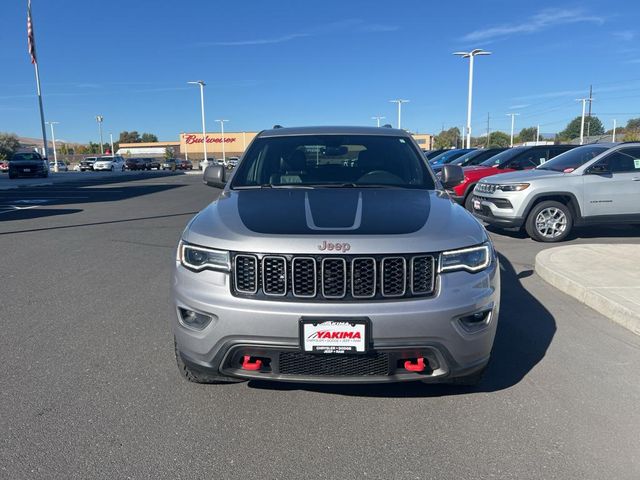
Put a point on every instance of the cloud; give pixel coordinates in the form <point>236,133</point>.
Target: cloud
<point>557,94</point>
<point>518,107</point>
<point>259,41</point>
<point>625,35</point>
<point>543,20</point>
<point>352,25</point>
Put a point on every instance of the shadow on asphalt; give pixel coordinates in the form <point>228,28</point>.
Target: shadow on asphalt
<point>525,331</point>
<point>92,190</point>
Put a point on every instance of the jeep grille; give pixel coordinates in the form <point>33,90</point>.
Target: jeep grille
<point>333,277</point>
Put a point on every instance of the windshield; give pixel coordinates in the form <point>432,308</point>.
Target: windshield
<point>333,160</point>
<point>502,157</point>
<point>464,158</point>
<point>567,162</point>
<point>25,157</point>
<point>448,156</point>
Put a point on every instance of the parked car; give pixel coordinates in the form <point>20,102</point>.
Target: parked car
<point>449,156</point>
<point>592,184</point>
<point>170,164</point>
<point>133,164</point>
<point>429,154</point>
<point>232,162</point>
<point>62,167</point>
<point>4,166</point>
<point>184,164</point>
<point>518,158</point>
<point>474,157</point>
<point>87,163</point>
<point>291,275</point>
<point>153,163</point>
<point>113,164</point>
<point>28,164</point>
<point>202,164</point>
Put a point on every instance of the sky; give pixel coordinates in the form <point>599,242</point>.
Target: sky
<point>315,63</point>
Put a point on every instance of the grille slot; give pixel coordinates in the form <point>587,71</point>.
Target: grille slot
<point>394,273</point>
<point>303,277</point>
<point>304,364</point>
<point>422,274</point>
<point>274,275</point>
<point>333,277</point>
<point>363,277</point>
<point>246,273</point>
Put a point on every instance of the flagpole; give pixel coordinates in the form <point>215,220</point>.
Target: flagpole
<point>44,130</point>
<point>32,51</point>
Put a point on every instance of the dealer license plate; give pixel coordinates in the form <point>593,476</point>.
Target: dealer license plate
<point>334,335</point>
<point>26,169</point>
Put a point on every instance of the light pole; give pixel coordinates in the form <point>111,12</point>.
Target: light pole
<point>470,55</point>
<point>513,116</point>
<point>224,160</point>
<point>204,128</point>
<point>113,152</point>
<point>378,119</point>
<point>53,140</point>
<point>100,119</point>
<point>584,105</point>
<point>399,101</point>
<point>613,137</point>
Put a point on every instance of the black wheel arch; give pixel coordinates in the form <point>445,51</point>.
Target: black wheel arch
<point>567,198</point>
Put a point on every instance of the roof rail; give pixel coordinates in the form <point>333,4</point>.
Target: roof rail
<point>387,125</point>
<point>277,126</point>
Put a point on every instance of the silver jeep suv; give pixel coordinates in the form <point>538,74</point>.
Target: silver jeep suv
<point>334,255</point>
<point>592,184</point>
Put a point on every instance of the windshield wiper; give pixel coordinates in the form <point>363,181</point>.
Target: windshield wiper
<point>271,185</point>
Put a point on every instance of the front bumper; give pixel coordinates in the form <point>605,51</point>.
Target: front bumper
<point>400,330</point>
<point>492,214</point>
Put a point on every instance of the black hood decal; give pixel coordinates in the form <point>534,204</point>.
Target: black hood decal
<point>333,211</point>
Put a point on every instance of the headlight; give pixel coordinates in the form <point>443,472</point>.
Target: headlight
<point>199,258</point>
<point>514,187</point>
<point>471,259</point>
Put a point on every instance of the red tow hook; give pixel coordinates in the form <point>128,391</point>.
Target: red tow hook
<point>415,367</point>
<point>247,364</point>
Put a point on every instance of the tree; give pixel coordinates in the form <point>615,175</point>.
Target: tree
<point>447,138</point>
<point>129,137</point>
<point>8,145</point>
<point>528,134</point>
<point>499,140</point>
<point>572,130</point>
<point>168,153</point>
<point>148,138</point>
<point>633,124</point>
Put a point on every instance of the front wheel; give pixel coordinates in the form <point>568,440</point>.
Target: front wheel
<point>549,221</point>
<point>468,202</point>
<point>200,376</point>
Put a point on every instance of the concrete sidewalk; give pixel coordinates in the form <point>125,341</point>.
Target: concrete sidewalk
<point>604,277</point>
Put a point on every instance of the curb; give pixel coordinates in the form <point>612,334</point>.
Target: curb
<point>618,312</point>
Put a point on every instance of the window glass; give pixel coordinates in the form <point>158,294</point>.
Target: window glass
<point>624,160</point>
<point>572,159</point>
<point>530,159</point>
<point>325,160</point>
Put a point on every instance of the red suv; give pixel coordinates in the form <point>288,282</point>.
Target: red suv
<point>518,158</point>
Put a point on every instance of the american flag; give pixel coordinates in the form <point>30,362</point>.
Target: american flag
<point>30,36</point>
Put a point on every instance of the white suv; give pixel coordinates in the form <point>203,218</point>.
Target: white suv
<point>597,183</point>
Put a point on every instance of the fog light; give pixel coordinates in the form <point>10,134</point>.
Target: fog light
<point>475,321</point>
<point>194,320</point>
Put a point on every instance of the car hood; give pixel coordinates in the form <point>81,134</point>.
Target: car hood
<point>299,221</point>
<point>521,176</point>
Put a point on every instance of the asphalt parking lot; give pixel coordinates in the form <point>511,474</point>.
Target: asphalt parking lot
<point>89,386</point>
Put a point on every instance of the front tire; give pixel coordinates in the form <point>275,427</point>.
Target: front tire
<point>549,221</point>
<point>468,201</point>
<point>200,376</point>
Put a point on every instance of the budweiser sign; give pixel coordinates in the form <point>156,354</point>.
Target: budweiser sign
<point>191,139</point>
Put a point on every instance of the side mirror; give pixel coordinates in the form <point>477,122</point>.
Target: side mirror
<point>214,176</point>
<point>599,169</point>
<point>452,175</point>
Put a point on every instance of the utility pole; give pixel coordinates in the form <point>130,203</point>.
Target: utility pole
<point>205,161</point>
<point>113,152</point>
<point>100,119</point>
<point>513,118</point>
<point>537,134</point>
<point>584,105</point>
<point>613,139</point>
<point>224,160</point>
<point>589,114</point>
<point>488,131</point>
<point>399,101</point>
